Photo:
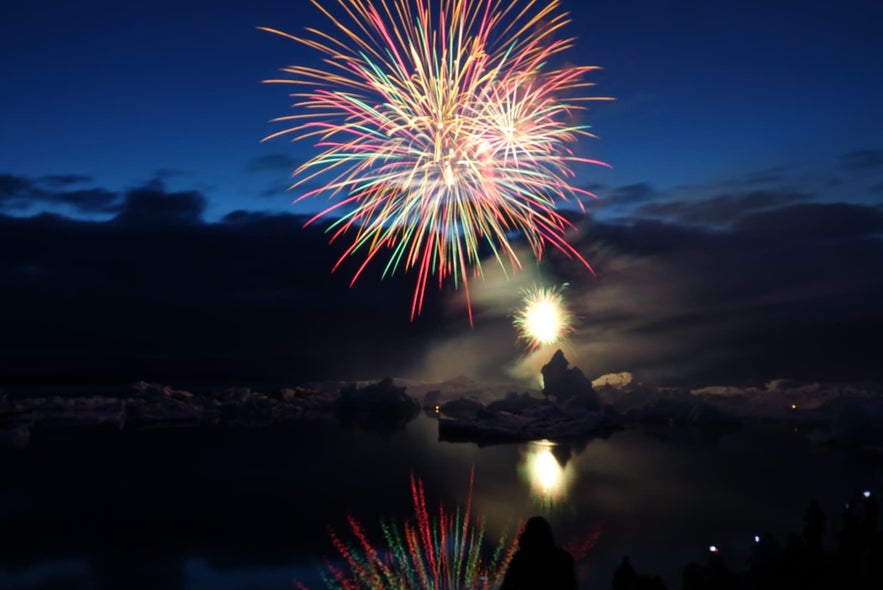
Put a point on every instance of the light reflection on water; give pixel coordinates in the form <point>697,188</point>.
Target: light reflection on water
<point>549,475</point>
<point>254,506</point>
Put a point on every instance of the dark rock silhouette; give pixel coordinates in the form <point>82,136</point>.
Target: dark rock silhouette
<point>568,384</point>
<point>380,396</point>
<point>514,402</point>
<point>539,564</point>
<point>462,408</point>
<point>381,406</point>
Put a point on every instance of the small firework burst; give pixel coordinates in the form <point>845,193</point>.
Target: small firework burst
<point>543,317</point>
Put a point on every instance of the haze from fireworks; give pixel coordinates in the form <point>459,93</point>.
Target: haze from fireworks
<point>444,131</point>
<point>543,317</point>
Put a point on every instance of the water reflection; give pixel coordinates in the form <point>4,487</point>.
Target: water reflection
<point>216,508</point>
<point>545,466</point>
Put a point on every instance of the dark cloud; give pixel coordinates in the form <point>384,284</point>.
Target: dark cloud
<point>834,181</point>
<point>787,290</point>
<point>272,163</point>
<point>64,180</point>
<point>13,187</point>
<point>772,176</point>
<point>156,294</point>
<point>723,209</point>
<point>95,200</point>
<point>863,160</point>
<point>769,176</point>
<point>632,194</point>
<point>595,188</point>
<point>151,205</point>
<point>275,191</point>
<point>21,194</point>
<point>816,221</point>
<point>163,174</point>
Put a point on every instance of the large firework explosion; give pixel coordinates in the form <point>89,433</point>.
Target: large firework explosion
<point>423,553</point>
<point>444,130</point>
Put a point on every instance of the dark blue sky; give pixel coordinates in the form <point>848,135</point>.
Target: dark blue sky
<point>746,145</point>
<point>707,93</point>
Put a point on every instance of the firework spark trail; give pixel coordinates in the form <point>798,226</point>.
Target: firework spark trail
<point>443,130</point>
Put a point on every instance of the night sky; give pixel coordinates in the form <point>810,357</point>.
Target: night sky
<point>147,233</point>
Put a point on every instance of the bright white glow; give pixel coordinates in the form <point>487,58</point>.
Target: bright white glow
<point>756,539</point>
<point>544,322</point>
<point>547,478</point>
<point>543,318</point>
<point>867,494</point>
<point>713,548</point>
<point>547,474</point>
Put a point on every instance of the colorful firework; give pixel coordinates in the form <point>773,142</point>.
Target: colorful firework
<point>543,317</point>
<point>423,553</point>
<point>443,130</point>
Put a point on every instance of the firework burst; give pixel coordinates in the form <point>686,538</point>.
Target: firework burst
<point>543,317</point>
<point>443,131</point>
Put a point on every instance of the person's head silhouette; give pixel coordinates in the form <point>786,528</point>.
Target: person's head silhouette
<point>537,534</point>
<point>539,564</point>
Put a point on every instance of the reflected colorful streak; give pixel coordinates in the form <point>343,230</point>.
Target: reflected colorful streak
<point>448,552</point>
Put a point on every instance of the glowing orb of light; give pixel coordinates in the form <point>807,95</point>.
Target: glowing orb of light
<point>547,474</point>
<point>549,481</point>
<point>443,128</point>
<point>543,318</point>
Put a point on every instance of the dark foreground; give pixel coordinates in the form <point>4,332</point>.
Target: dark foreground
<point>237,489</point>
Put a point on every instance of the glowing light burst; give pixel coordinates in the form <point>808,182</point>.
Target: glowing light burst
<point>543,317</point>
<point>423,553</point>
<point>548,479</point>
<point>443,129</point>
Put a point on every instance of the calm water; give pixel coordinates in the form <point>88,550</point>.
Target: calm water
<point>222,509</point>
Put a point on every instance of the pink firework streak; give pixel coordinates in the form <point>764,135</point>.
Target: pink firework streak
<point>443,132</point>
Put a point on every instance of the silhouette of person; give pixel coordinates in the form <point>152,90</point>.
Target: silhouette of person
<point>814,527</point>
<point>624,575</point>
<point>539,564</point>
<point>869,522</point>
